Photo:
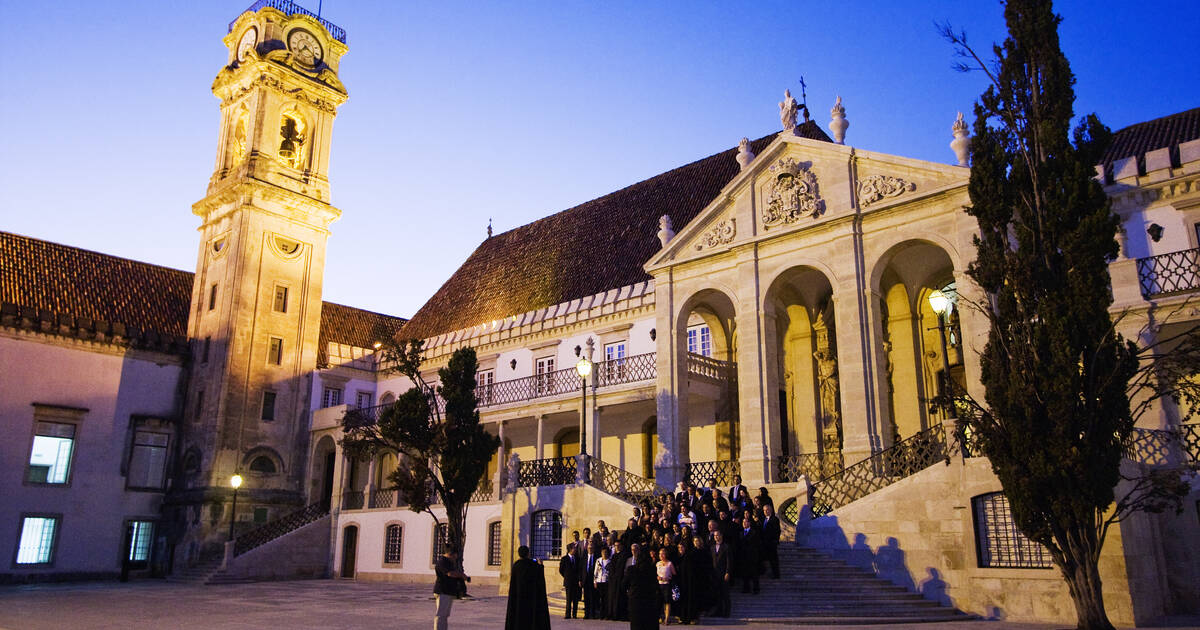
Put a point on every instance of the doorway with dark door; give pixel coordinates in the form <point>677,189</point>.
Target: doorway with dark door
<point>349,551</point>
<point>327,482</point>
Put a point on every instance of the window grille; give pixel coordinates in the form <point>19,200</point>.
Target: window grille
<point>547,534</point>
<point>441,539</point>
<point>332,397</point>
<point>393,544</point>
<point>140,541</point>
<point>494,544</point>
<point>998,541</point>
<point>37,539</point>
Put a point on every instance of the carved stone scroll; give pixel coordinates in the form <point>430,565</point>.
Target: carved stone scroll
<point>875,187</point>
<point>720,234</point>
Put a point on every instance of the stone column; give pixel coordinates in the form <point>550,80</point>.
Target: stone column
<point>755,415</point>
<point>541,428</point>
<point>594,431</point>
<point>878,372</point>
<point>501,462</point>
<point>859,428</point>
<point>671,461</point>
<point>369,487</point>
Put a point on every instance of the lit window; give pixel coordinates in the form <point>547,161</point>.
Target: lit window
<point>281,299</point>
<point>546,540</point>
<point>998,540</point>
<point>441,540</point>
<point>147,460</point>
<point>362,400</point>
<point>393,544</point>
<point>614,360</point>
<point>275,353</point>
<point>494,544</point>
<point>37,539</point>
<point>212,297</point>
<point>140,541</point>
<point>545,375</point>
<point>484,379</point>
<point>268,406</point>
<point>331,397</point>
<point>50,457</point>
<point>699,340</point>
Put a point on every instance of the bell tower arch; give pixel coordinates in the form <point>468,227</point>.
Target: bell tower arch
<point>256,299</point>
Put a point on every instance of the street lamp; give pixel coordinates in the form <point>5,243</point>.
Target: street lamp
<point>236,482</point>
<point>584,369</point>
<point>943,305</point>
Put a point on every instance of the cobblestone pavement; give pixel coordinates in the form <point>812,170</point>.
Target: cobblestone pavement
<point>287,606</point>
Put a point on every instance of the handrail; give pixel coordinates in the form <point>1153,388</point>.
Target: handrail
<point>281,526</point>
<point>1164,447</point>
<point>814,466</point>
<point>902,459</point>
<point>722,471</point>
<point>709,367</point>
<point>1167,274</point>
<point>291,8</point>
<point>621,483</point>
<point>551,471</point>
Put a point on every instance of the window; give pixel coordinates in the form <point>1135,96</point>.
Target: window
<point>147,460</point>
<point>547,534</point>
<point>38,535</point>
<point>614,360</point>
<point>141,537</point>
<point>212,297</point>
<point>362,400</point>
<point>545,371</point>
<point>998,541</point>
<point>484,379</point>
<point>281,299</point>
<point>204,350</point>
<point>441,539</point>
<point>332,397</point>
<point>275,353</point>
<point>262,464</point>
<point>493,558</point>
<point>291,140</point>
<point>268,406</point>
<point>199,404</point>
<point>699,340</point>
<point>393,544</point>
<point>260,515</point>
<point>50,457</point>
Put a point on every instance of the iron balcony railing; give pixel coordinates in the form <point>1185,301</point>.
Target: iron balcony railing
<point>353,500</point>
<point>384,498</point>
<point>552,471</point>
<point>291,8</point>
<point>723,472</point>
<point>1168,274</point>
<point>880,470</point>
<point>284,525</point>
<point>1165,447</point>
<point>814,466</point>
<point>621,483</point>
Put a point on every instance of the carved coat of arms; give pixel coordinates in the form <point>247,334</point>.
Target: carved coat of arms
<point>792,195</point>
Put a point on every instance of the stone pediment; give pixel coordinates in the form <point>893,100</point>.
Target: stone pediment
<point>797,183</point>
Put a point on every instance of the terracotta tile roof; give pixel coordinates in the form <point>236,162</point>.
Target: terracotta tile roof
<point>67,290</point>
<point>591,248</point>
<point>353,327</point>
<point>1168,131</point>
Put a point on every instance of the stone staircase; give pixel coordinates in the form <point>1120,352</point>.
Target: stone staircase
<point>815,589</point>
<point>199,573</point>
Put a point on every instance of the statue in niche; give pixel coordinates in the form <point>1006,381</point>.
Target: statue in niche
<point>240,139</point>
<point>788,108</point>
<point>827,379</point>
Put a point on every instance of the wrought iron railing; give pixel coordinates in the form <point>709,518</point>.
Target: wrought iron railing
<point>700,473</point>
<point>880,470</point>
<point>284,525</point>
<point>484,491</point>
<point>1176,272</point>
<point>815,466</point>
<point>1165,447</point>
<point>552,471</point>
<point>1189,435</point>
<point>709,367</point>
<point>621,483</point>
<point>291,8</point>
<point>384,498</point>
<point>639,367</point>
<point>353,500</point>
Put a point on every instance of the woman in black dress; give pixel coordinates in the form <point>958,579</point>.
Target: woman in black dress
<point>641,582</point>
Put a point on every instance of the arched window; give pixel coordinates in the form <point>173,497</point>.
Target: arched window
<point>547,534</point>
<point>262,464</point>
<point>291,139</point>
<point>387,399</point>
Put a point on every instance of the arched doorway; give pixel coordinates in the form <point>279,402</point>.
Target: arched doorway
<point>349,551</point>
<point>566,443</point>
<point>324,461</point>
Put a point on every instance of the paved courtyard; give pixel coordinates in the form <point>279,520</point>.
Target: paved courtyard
<point>283,606</point>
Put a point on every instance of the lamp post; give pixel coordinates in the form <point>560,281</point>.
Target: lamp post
<point>942,305</point>
<point>584,369</point>
<point>236,482</point>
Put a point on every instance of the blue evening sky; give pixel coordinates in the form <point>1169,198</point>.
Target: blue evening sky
<point>511,110</point>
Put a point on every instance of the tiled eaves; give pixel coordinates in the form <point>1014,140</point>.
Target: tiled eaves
<point>65,325</point>
<point>544,319</point>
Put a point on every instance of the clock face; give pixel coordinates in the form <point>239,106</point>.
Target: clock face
<point>249,39</point>
<point>305,46</point>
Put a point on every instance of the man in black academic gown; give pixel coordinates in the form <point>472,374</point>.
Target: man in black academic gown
<point>617,599</point>
<point>722,574</point>
<point>750,562</point>
<point>770,539</point>
<point>527,605</point>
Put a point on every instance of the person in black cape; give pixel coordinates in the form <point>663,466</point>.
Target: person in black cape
<point>527,605</point>
<point>641,582</point>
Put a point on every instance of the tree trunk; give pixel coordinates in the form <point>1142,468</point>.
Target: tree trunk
<point>456,528</point>
<point>1082,574</point>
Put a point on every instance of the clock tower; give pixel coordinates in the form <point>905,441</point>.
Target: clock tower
<point>256,300</point>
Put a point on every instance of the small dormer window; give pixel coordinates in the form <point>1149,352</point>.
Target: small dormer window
<point>291,140</point>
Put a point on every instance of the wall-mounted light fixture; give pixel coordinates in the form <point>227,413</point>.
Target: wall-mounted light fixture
<point>578,349</point>
<point>653,334</point>
<point>513,364</point>
<point>1155,231</point>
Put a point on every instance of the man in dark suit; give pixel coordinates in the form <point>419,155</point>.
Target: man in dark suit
<point>722,574</point>
<point>738,494</point>
<point>770,539</point>
<point>750,560</point>
<point>587,579</point>
<point>617,599</point>
<point>568,568</point>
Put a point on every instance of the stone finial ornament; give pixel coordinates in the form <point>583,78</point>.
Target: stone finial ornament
<point>665,231</point>
<point>788,108</point>
<point>961,144</point>
<point>745,155</point>
<point>838,124</point>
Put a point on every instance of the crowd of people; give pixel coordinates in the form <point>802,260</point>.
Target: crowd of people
<point>677,559</point>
